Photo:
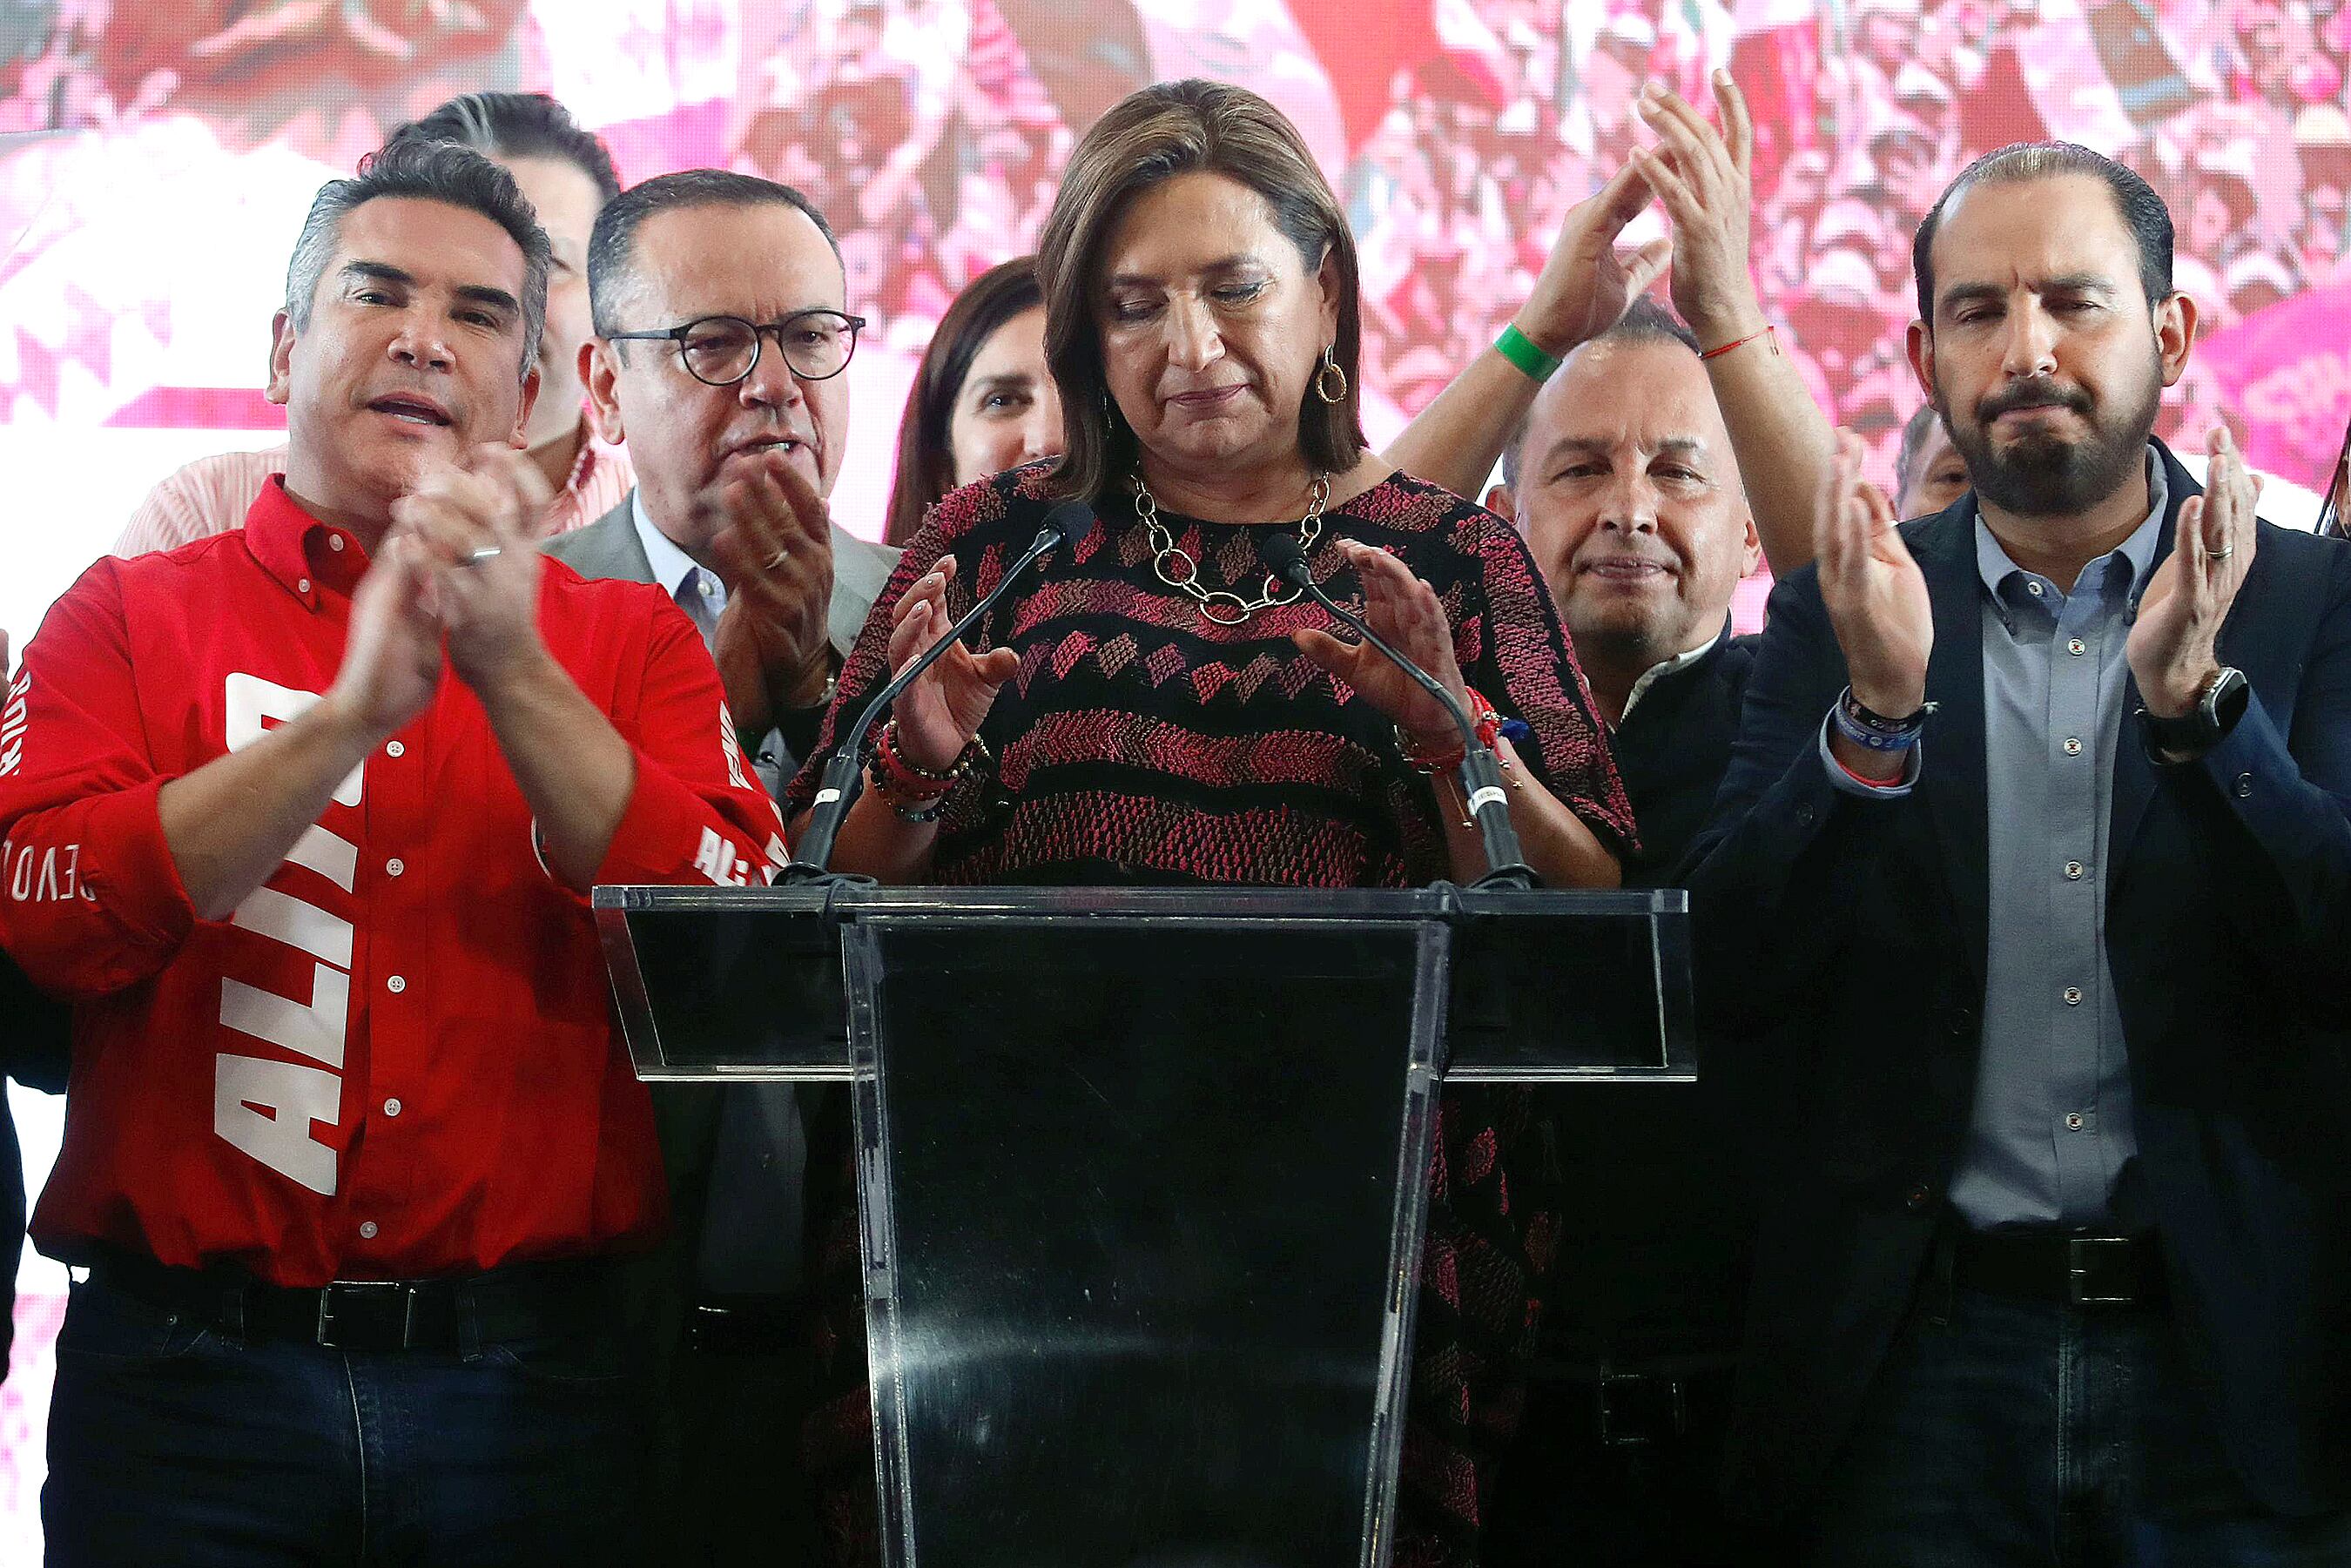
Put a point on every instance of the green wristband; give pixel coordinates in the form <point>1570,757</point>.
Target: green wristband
<point>1520,349</point>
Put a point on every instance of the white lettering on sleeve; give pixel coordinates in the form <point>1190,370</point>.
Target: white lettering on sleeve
<point>265,1108</point>
<point>715,860</point>
<point>38,875</point>
<point>733,748</point>
<point>12,723</point>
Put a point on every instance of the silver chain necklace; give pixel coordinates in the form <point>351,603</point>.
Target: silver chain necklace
<point>1178,570</point>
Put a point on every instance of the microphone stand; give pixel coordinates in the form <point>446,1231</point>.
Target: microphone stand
<point>837,789</point>
<point>1481,775</point>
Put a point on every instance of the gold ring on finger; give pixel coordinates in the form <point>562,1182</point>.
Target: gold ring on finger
<point>778,559</point>
<point>2222,554</point>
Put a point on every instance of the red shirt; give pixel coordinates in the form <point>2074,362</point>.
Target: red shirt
<point>396,1059</point>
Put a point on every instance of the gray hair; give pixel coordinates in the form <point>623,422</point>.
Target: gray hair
<point>426,171</point>
<point>612,245</point>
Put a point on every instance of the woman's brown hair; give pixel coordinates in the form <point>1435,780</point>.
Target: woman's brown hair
<point>1150,136</point>
<point>925,455</point>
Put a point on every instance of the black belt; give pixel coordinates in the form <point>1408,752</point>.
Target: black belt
<point>2054,1266</point>
<point>1643,1404</point>
<point>520,1301</point>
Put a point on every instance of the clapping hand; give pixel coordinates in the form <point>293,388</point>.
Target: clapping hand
<point>391,658</point>
<point>939,714</point>
<point>471,527</point>
<point>1702,177</point>
<point>1406,614</point>
<point>2174,648</point>
<point>773,543</point>
<point>1585,286</point>
<point>1877,598</point>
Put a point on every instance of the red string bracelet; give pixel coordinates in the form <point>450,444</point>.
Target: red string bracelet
<point>1771,332</point>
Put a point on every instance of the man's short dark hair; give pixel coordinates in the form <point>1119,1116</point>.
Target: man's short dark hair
<point>2143,212</point>
<point>1914,450</point>
<point>430,171</point>
<point>1646,322</point>
<point>612,248</point>
<point>517,125</point>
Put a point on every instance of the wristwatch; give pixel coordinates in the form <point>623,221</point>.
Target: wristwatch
<point>2203,727</point>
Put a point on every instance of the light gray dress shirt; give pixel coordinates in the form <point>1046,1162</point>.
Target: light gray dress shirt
<point>2051,1131</point>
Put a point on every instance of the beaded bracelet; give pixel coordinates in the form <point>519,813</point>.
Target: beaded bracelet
<point>1874,731</point>
<point>915,793</point>
<point>1491,728</point>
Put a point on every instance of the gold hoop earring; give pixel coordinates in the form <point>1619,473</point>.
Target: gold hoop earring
<point>1322,379</point>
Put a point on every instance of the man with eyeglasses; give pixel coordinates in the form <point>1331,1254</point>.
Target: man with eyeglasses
<point>721,332</point>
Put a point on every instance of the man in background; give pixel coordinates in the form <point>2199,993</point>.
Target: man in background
<point>1629,495</point>
<point>722,331</point>
<point>1930,474</point>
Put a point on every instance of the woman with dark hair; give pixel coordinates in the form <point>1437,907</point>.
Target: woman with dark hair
<point>982,400</point>
<point>1182,717</point>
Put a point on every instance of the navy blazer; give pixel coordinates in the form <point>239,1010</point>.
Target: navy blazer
<point>1841,955</point>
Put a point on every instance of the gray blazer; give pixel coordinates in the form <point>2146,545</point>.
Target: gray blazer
<point>609,546</point>
<point>687,1116</point>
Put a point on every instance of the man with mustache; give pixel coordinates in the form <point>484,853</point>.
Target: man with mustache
<point>722,331</point>
<point>1622,473</point>
<point>303,819</point>
<point>2019,916</point>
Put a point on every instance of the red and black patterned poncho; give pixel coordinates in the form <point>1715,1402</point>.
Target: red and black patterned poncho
<point>1141,742</point>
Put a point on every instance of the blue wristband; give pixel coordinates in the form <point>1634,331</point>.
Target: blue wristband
<point>1862,734</point>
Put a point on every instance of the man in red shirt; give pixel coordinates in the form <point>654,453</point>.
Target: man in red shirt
<point>302,818</point>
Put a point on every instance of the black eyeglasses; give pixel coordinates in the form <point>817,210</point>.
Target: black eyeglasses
<point>720,350</point>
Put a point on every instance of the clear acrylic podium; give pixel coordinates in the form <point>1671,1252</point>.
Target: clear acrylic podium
<point>1142,1173</point>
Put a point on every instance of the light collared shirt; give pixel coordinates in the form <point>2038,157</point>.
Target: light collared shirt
<point>1658,672</point>
<point>212,495</point>
<point>698,591</point>
<point>2051,1131</point>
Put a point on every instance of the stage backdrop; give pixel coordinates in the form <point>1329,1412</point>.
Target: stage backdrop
<point>156,160</point>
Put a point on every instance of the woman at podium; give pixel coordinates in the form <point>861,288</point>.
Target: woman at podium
<point>1152,705</point>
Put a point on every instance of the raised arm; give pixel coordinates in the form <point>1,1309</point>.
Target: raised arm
<point>1585,288</point>
<point>1782,439</point>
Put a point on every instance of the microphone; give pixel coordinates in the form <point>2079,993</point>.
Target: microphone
<point>1481,777</point>
<point>1066,524</point>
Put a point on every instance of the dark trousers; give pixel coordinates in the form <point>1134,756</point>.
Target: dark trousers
<point>2007,1432</point>
<point>737,1485</point>
<point>174,1444</point>
<point>1628,1477</point>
